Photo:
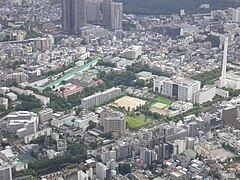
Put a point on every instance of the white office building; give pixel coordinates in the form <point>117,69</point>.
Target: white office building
<point>102,171</point>
<point>205,94</point>
<point>82,175</point>
<point>44,132</point>
<point>180,88</point>
<point>100,98</point>
<point>132,52</point>
<point>83,121</point>
<point>22,123</point>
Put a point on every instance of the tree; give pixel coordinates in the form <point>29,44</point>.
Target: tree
<point>93,145</point>
<point>124,168</point>
<point>76,149</point>
<point>91,125</point>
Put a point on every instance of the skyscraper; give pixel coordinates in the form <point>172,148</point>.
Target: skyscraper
<point>116,15</point>
<point>73,15</point>
<point>93,11</point>
<point>106,12</point>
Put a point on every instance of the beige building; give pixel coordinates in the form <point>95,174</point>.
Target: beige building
<point>113,121</point>
<point>45,115</point>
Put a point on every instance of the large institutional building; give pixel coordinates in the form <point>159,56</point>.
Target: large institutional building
<point>179,88</point>
<point>22,123</point>
<point>73,15</point>
<point>100,98</point>
<point>113,121</point>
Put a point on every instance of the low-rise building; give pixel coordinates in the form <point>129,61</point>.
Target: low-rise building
<point>44,132</point>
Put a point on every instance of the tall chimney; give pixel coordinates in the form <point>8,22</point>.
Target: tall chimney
<point>224,63</point>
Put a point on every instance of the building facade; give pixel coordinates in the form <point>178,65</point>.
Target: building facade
<point>100,98</point>
<point>22,123</point>
<point>180,88</point>
<point>73,15</point>
<point>113,121</point>
<point>116,15</point>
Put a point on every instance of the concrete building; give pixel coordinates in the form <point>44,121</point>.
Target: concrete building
<point>106,12</point>
<point>16,78</point>
<point>205,94</point>
<point>3,103</point>
<point>82,175</point>
<point>102,171</point>
<point>116,15</point>
<point>22,123</point>
<point>180,88</point>
<point>73,15</point>
<point>192,129</point>
<point>132,53</point>
<point>45,115</point>
<point>44,132</point>
<point>229,115</point>
<point>93,11</point>
<point>113,121</point>
<point>61,145</point>
<point>4,90</point>
<point>236,15</point>
<point>100,98</point>
<point>5,172</point>
<point>11,96</point>
<point>124,150</point>
<point>148,156</point>
<point>41,44</point>
<point>83,121</point>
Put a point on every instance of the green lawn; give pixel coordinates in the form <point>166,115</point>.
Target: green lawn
<point>164,100</point>
<point>137,122</point>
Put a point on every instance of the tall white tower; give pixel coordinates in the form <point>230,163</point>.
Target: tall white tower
<point>224,64</point>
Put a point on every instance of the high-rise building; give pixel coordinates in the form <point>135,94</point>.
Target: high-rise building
<point>116,15</point>
<point>93,11</point>
<point>73,15</point>
<point>106,12</point>
<point>113,121</point>
<point>236,15</point>
<point>192,129</point>
<point>102,171</point>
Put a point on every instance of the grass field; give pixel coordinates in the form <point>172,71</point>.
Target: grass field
<point>137,122</point>
<point>163,100</point>
<point>130,102</point>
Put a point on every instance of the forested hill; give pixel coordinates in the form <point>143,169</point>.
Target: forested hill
<point>165,7</point>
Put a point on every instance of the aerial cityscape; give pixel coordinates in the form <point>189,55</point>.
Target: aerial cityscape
<point>119,89</point>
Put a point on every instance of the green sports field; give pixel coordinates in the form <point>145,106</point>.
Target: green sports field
<point>163,100</point>
<point>137,122</point>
